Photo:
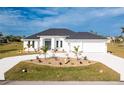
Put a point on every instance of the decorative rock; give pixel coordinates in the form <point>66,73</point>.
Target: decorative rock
<point>72,63</point>
<point>24,70</point>
<point>101,71</point>
<point>60,63</point>
<point>58,75</point>
<point>89,62</point>
<point>81,62</point>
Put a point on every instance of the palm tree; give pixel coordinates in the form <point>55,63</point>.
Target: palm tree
<point>76,51</point>
<point>1,34</point>
<point>122,32</point>
<point>44,49</point>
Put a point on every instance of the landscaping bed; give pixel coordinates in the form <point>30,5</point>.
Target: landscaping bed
<point>61,62</point>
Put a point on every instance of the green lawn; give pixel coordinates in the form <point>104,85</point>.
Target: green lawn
<point>116,49</point>
<point>11,49</point>
<point>47,73</point>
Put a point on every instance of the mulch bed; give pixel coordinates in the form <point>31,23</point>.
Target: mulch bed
<point>61,62</point>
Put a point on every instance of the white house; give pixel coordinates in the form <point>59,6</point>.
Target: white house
<point>65,40</point>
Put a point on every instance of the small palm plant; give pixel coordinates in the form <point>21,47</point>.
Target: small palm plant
<point>44,49</point>
<point>28,45</point>
<point>24,49</point>
<point>76,51</point>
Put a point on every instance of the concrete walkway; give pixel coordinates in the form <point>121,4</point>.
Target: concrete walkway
<point>61,83</point>
<point>115,63</point>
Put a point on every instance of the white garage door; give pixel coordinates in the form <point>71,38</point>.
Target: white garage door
<point>94,47</point>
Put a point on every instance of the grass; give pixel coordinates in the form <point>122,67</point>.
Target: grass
<point>11,49</point>
<point>47,73</point>
<point>116,49</point>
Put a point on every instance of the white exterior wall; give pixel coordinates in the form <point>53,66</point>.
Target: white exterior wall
<point>63,43</point>
<point>53,43</point>
<point>36,44</point>
<point>85,45</point>
<point>40,42</point>
<point>70,44</point>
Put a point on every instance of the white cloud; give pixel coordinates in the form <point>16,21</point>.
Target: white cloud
<point>76,16</point>
<point>106,12</point>
<point>44,11</point>
<point>59,17</point>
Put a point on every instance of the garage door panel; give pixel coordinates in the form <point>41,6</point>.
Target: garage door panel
<point>94,47</point>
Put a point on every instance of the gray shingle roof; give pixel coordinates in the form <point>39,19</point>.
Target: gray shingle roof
<point>34,36</point>
<point>65,32</point>
<point>85,35</point>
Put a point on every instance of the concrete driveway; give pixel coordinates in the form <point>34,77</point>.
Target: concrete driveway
<point>115,63</point>
<point>9,62</point>
<point>112,61</point>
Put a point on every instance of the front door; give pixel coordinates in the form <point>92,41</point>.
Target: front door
<point>48,43</point>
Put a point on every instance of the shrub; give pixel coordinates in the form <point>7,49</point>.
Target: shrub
<point>37,57</point>
<point>72,63</point>
<point>89,61</point>
<point>31,60</point>
<point>85,58</point>
<point>49,62</point>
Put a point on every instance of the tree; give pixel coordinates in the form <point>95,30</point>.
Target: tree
<point>93,32</point>
<point>44,49</point>
<point>12,38</point>
<point>76,51</point>
<point>1,34</point>
<point>122,31</point>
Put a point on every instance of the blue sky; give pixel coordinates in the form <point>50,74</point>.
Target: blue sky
<point>27,21</point>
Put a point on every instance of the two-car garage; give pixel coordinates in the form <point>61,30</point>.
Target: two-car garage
<point>94,46</point>
<point>90,45</point>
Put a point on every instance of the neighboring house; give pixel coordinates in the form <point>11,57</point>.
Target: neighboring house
<point>109,39</point>
<point>3,40</point>
<point>65,40</point>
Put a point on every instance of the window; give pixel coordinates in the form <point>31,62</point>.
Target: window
<point>57,43</point>
<point>28,44</point>
<point>60,43</point>
<point>33,44</point>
